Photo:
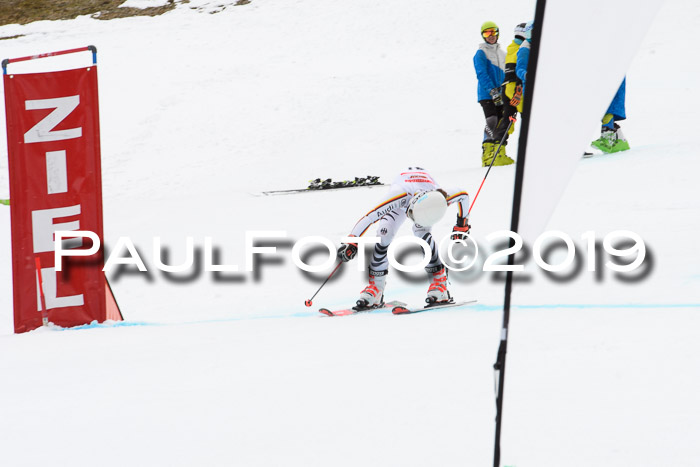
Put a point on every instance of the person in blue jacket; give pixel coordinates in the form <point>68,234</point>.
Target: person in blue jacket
<point>611,137</point>
<point>489,64</point>
<point>524,55</point>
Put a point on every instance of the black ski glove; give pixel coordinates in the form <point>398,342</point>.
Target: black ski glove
<point>496,96</point>
<point>461,229</point>
<point>347,251</point>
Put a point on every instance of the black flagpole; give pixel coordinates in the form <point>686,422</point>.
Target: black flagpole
<point>500,365</point>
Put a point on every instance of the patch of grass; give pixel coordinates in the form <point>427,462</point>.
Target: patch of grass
<point>27,11</point>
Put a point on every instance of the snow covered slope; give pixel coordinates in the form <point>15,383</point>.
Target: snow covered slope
<point>210,104</point>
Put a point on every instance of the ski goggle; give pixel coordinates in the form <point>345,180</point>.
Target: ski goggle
<point>489,32</point>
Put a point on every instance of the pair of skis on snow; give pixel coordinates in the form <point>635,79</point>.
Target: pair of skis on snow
<point>396,307</point>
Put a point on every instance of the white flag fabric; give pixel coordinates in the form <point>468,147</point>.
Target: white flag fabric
<point>585,50</point>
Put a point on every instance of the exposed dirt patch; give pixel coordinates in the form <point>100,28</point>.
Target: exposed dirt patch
<point>27,11</point>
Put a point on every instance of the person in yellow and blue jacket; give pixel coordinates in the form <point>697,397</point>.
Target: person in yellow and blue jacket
<point>512,88</point>
<point>611,137</point>
<point>489,64</point>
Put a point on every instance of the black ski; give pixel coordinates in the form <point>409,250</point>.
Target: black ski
<point>328,184</point>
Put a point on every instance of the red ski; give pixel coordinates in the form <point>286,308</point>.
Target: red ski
<point>356,309</point>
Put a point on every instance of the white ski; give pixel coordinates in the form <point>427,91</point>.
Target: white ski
<point>403,310</point>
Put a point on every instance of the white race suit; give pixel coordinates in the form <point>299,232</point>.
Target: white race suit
<point>391,214</point>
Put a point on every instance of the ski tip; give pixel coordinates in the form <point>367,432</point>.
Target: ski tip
<point>400,310</point>
<point>326,312</point>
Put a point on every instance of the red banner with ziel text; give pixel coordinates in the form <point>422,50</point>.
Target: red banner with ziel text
<point>53,139</point>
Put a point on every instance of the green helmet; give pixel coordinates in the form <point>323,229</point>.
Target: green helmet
<point>488,25</point>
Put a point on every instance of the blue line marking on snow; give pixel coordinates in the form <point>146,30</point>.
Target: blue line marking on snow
<point>121,324</point>
<point>115,324</point>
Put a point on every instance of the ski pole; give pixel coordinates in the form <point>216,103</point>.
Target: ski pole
<point>309,302</point>
<point>512,120</point>
<point>44,311</point>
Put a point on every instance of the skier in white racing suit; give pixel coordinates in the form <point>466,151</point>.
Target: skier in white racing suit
<point>416,195</point>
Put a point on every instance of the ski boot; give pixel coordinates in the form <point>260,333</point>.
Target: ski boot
<point>501,158</point>
<point>606,141</point>
<point>437,292</point>
<point>487,153</point>
<point>373,295</point>
<point>620,143</point>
